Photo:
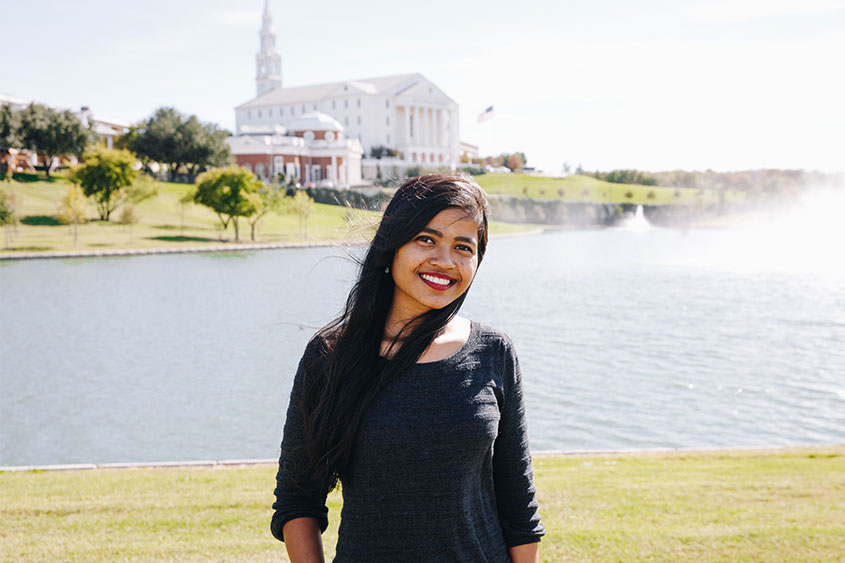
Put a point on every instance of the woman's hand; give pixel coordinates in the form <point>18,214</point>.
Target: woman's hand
<point>525,553</point>
<point>303,541</point>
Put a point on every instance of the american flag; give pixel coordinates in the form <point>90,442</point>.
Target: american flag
<point>486,114</point>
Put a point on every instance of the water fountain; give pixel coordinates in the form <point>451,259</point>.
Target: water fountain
<point>636,223</point>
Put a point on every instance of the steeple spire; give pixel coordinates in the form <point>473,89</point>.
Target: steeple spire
<point>268,63</point>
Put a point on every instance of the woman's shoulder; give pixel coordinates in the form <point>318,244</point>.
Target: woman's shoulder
<point>489,336</point>
<point>491,333</point>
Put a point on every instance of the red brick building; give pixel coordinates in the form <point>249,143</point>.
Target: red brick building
<point>313,149</point>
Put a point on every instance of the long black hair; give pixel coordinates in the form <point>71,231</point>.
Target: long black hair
<point>348,372</point>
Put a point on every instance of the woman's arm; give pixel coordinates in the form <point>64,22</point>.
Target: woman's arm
<point>525,553</point>
<point>303,542</point>
<point>297,496</point>
<point>513,477</point>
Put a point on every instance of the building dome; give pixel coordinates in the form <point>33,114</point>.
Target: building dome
<point>314,121</point>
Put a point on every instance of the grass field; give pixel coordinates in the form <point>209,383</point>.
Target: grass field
<point>586,188</point>
<point>752,505</point>
<point>163,224</point>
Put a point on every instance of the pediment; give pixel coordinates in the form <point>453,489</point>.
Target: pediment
<point>421,88</point>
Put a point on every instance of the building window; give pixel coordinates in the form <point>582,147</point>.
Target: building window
<point>387,120</point>
<point>387,103</point>
<point>315,107</point>
<point>345,104</point>
<point>259,114</point>
<point>259,170</point>
<point>270,112</point>
<point>346,121</point>
<point>359,120</point>
<point>388,140</point>
<point>249,115</point>
<point>334,104</point>
<point>281,111</point>
<point>411,126</point>
<point>292,110</point>
<point>359,102</point>
<point>303,108</point>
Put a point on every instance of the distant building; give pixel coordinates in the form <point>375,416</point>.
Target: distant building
<point>104,127</point>
<point>468,153</point>
<point>314,151</point>
<point>407,112</point>
<point>15,103</point>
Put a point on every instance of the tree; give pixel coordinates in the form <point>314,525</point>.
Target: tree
<point>230,192</point>
<point>302,205</point>
<point>169,137</point>
<point>140,190</point>
<point>51,133</point>
<point>184,201</point>
<point>104,176</point>
<point>515,161</point>
<point>7,215</point>
<point>270,199</point>
<point>9,137</point>
<point>72,209</point>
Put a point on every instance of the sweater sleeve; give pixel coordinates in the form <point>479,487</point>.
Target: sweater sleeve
<point>296,496</point>
<point>512,472</point>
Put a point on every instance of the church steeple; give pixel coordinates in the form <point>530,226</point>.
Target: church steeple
<point>268,63</point>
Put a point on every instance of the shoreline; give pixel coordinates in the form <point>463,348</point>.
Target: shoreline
<point>210,464</point>
<point>216,248</point>
<point>231,247</point>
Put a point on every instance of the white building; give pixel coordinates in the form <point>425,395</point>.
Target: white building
<point>407,113</point>
<point>105,128</point>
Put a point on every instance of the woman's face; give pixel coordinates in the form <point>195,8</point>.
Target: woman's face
<point>436,266</point>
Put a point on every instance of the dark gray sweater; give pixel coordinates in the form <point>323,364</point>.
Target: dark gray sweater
<point>441,469</point>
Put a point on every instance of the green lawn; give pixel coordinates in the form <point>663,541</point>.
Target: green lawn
<point>163,225</point>
<point>589,189</point>
<point>752,505</point>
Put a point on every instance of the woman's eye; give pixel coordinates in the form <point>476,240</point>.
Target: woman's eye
<point>464,248</point>
<point>425,238</point>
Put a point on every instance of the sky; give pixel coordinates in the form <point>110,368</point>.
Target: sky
<point>607,84</point>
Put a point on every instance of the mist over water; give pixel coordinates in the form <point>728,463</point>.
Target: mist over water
<point>802,237</point>
<point>636,337</point>
<point>660,338</point>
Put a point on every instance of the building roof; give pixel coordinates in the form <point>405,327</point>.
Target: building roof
<point>380,85</point>
<point>263,129</point>
<point>13,101</point>
<point>314,121</point>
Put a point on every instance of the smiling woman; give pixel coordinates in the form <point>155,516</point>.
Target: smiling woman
<point>435,268</point>
<point>418,412</point>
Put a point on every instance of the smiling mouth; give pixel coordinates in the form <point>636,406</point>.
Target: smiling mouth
<point>437,282</point>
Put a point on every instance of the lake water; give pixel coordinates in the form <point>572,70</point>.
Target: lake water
<point>658,338</point>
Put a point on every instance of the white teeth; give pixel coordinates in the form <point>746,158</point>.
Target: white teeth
<point>435,279</point>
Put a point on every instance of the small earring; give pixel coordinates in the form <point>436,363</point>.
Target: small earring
<point>387,269</point>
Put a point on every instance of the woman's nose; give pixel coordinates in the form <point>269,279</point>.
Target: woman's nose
<point>442,257</point>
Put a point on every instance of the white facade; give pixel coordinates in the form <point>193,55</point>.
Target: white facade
<point>106,128</point>
<point>405,112</point>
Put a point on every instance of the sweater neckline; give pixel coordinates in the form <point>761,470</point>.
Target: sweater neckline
<point>460,354</point>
